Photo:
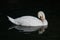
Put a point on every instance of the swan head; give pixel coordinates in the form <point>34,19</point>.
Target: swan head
<point>41,15</point>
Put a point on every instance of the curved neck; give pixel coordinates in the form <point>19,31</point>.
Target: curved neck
<point>45,22</point>
<point>41,15</point>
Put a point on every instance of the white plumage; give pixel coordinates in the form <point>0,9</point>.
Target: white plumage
<point>28,21</point>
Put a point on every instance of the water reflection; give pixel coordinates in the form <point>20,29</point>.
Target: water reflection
<point>28,29</point>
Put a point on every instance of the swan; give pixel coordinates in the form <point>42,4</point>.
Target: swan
<point>30,23</point>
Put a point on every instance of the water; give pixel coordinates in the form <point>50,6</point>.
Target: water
<point>51,33</point>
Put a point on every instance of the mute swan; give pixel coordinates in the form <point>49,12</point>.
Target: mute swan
<point>30,23</point>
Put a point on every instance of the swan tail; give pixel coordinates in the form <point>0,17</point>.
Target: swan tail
<point>12,20</point>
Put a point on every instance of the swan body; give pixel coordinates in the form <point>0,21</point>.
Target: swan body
<point>29,21</point>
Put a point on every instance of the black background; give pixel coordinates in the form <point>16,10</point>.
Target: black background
<point>17,8</point>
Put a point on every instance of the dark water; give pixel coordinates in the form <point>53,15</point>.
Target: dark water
<point>16,9</point>
<point>51,33</point>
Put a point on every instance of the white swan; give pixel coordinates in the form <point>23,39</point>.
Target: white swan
<point>30,23</point>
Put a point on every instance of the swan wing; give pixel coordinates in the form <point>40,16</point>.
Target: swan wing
<point>29,21</point>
